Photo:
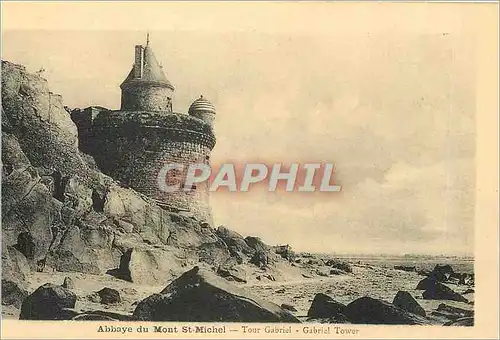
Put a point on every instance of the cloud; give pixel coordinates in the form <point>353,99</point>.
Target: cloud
<point>395,112</point>
<point>414,209</point>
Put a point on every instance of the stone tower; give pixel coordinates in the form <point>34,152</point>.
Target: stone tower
<point>134,143</point>
<point>146,87</point>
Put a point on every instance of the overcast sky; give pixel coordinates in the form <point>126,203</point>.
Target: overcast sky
<point>394,110</point>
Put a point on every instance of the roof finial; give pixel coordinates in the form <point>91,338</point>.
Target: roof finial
<point>147,39</point>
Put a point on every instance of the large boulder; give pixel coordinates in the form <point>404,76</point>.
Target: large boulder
<point>12,294</point>
<point>47,303</point>
<point>441,292</point>
<point>442,273</point>
<point>367,310</point>
<point>323,306</point>
<point>199,295</point>
<point>426,283</point>
<point>150,266</point>
<point>405,300</point>
<point>109,296</point>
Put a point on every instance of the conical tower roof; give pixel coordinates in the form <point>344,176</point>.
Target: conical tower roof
<point>152,72</point>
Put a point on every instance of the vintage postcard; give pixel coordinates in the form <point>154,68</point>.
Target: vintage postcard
<point>249,170</point>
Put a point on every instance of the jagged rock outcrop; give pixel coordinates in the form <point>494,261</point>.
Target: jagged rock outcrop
<point>199,295</point>
<point>235,242</point>
<point>323,306</point>
<point>60,212</point>
<point>48,302</point>
<point>426,283</point>
<point>439,291</point>
<point>367,310</point>
<point>405,300</point>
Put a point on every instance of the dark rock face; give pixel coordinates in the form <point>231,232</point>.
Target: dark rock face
<point>439,291</point>
<point>109,296</point>
<point>12,294</point>
<point>426,283</point>
<point>367,310</point>
<point>442,273</point>
<point>405,301</point>
<point>323,306</point>
<point>199,295</point>
<point>47,303</point>
<point>468,322</point>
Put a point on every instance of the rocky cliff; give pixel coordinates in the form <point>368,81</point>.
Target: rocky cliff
<point>60,213</point>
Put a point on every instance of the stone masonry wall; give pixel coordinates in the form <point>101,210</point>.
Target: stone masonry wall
<point>135,154</point>
<point>196,200</point>
<point>147,98</point>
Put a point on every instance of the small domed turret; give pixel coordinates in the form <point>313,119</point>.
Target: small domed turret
<point>203,109</point>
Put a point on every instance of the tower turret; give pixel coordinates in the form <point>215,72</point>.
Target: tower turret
<point>146,87</point>
<point>203,109</point>
<point>134,144</point>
